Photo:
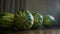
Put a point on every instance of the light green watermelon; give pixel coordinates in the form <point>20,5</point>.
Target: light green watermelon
<point>6,19</point>
<point>38,20</point>
<point>24,20</point>
<point>48,21</point>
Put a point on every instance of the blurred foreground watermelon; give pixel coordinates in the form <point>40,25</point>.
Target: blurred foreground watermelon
<point>23,20</point>
<point>38,20</point>
<point>6,19</point>
<point>48,21</point>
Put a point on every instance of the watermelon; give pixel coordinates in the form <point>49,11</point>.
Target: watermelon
<point>38,20</point>
<point>23,20</point>
<point>6,19</point>
<point>48,21</point>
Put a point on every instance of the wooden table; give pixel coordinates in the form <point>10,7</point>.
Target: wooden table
<point>41,31</point>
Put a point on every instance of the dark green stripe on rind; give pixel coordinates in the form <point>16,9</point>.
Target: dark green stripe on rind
<point>6,20</point>
<point>48,20</point>
<point>38,20</point>
<point>25,20</point>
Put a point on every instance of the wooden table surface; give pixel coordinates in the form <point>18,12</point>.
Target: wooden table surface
<point>45,31</point>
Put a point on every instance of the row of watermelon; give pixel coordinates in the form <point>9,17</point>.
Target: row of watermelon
<point>25,20</point>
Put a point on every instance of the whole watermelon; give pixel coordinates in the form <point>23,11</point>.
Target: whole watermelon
<point>6,19</point>
<point>38,20</point>
<point>48,21</point>
<point>23,20</point>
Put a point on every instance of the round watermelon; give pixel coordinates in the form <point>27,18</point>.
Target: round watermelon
<point>6,19</point>
<point>23,20</point>
<point>48,21</point>
<point>38,20</point>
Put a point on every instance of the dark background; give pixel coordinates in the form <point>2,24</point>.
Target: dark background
<point>44,7</point>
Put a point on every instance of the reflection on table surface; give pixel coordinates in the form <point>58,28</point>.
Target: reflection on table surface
<point>45,31</point>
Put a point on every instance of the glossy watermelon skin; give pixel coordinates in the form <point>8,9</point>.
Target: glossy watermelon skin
<point>48,21</point>
<point>38,20</point>
<point>23,20</point>
<point>6,19</point>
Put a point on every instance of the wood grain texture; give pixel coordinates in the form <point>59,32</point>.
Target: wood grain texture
<point>50,31</point>
<point>46,31</point>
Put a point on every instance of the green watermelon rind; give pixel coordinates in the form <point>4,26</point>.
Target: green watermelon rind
<point>6,20</point>
<point>38,20</point>
<point>48,20</point>
<point>21,23</point>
